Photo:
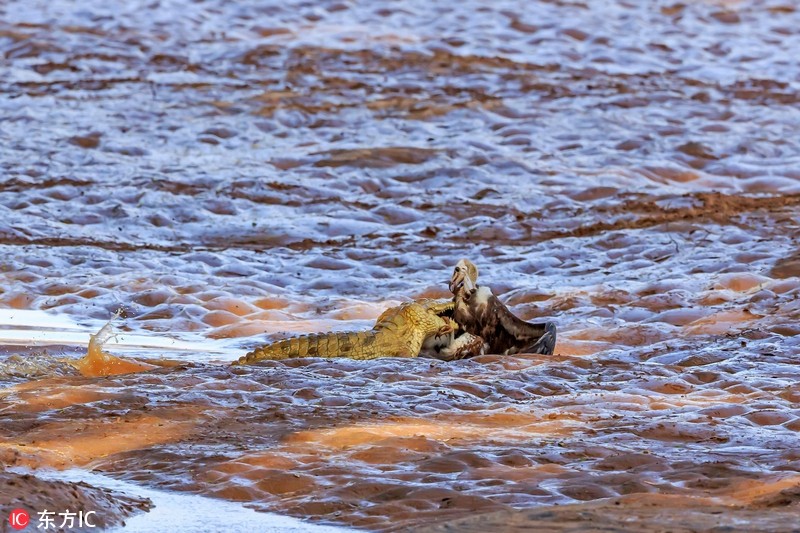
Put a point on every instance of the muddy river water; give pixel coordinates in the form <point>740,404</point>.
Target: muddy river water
<point>226,173</point>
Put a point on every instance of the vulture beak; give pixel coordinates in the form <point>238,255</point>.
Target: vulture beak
<point>464,279</point>
<point>457,279</point>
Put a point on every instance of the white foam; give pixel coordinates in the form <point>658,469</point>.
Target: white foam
<point>184,513</point>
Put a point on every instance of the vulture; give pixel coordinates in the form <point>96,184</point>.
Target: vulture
<point>489,327</point>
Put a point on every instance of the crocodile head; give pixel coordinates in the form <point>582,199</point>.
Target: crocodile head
<point>429,317</point>
<point>419,320</point>
<point>464,281</point>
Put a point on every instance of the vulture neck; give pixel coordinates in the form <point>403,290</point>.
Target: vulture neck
<point>470,311</point>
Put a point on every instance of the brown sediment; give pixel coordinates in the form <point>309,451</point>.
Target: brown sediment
<point>711,207</point>
<point>721,322</point>
<point>633,513</point>
<point>80,442</point>
<point>787,267</point>
<point>456,427</point>
<point>28,396</point>
<point>375,157</point>
<point>33,494</point>
<point>580,347</point>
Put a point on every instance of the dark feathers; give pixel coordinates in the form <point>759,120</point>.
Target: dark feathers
<point>481,313</point>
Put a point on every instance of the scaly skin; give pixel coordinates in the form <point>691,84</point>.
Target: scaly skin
<point>399,332</point>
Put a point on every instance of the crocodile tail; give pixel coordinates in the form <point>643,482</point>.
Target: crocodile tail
<point>353,345</point>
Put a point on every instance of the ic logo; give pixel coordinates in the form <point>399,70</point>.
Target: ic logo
<point>19,518</point>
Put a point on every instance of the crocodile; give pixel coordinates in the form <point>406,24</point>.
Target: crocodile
<point>400,331</point>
